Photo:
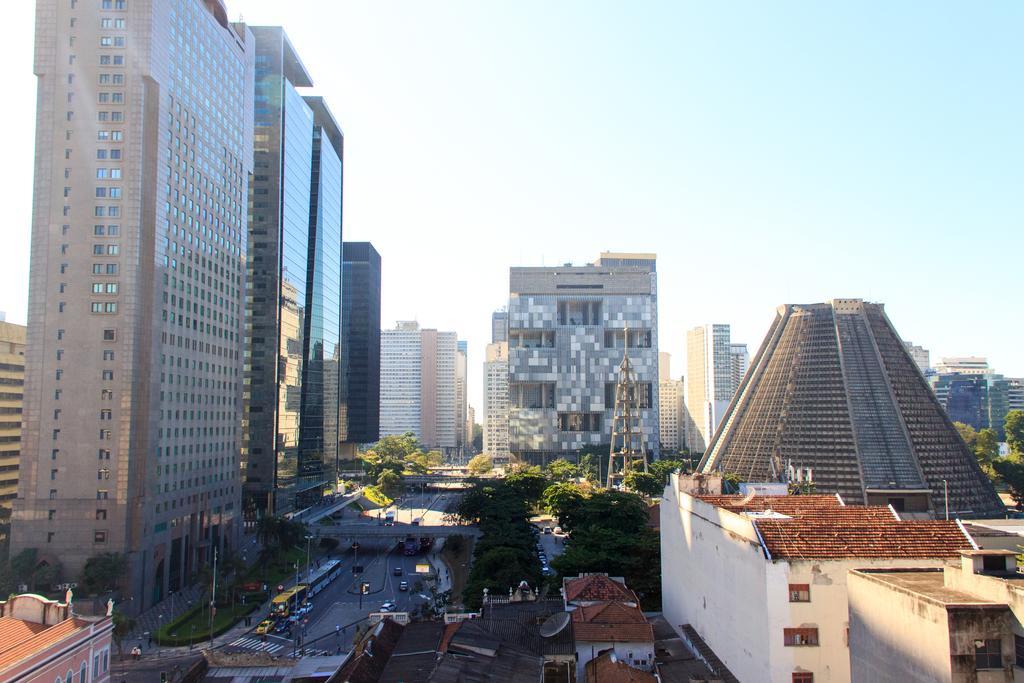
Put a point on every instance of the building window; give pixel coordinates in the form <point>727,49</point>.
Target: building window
<point>638,339</point>
<point>101,515</point>
<point>796,637</point>
<point>99,537</point>
<point>799,592</point>
<point>988,654</point>
<point>645,398</point>
<point>803,677</point>
<point>579,312</point>
<point>579,422</point>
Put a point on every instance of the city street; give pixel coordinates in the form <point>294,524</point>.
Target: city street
<point>336,609</point>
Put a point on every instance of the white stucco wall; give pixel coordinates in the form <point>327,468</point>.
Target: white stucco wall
<point>716,578</point>
<point>713,578</point>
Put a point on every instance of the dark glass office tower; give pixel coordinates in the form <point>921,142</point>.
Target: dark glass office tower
<point>360,324</point>
<point>318,422</point>
<point>293,304</point>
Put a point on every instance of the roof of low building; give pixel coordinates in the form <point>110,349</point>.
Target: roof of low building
<point>596,587</point>
<point>20,639</point>
<point>369,664</point>
<point>612,622</point>
<point>475,655</point>
<point>519,623</point>
<point>612,612</point>
<point>928,584</point>
<point>415,654</point>
<point>823,527</point>
<point>827,537</point>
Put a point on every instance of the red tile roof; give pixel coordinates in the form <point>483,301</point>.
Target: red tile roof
<point>825,537</point>
<point>611,622</point>
<point>822,527</point>
<point>29,638</point>
<point>609,613</point>
<point>596,587</point>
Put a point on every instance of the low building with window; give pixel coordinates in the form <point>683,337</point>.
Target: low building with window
<point>762,580</point>
<point>44,641</point>
<point>962,622</point>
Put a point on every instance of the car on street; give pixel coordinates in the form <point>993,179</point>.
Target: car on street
<point>265,626</point>
<point>546,571</point>
<point>283,626</point>
<point>388,607</point>
<point>397,571</point>
<point>558,530</point>
<point>403,586</point>
<point>304,609</point>
<point>547,530</point>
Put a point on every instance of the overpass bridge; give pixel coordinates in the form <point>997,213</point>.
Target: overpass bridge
<point>397,532</point>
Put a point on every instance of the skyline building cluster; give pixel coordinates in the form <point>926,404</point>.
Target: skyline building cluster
<point>185,356</point>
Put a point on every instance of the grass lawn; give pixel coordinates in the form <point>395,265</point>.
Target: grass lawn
<point>278,569</point>
<point>180,632</point>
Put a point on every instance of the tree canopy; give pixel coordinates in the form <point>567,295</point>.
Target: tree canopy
<point>528,483</point>
<point>1013,425</point>
<point>480,464</point>
<point>645,483</point>
<point>103,572</point>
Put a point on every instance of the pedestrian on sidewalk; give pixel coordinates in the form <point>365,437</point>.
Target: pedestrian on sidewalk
<point>150,640</point>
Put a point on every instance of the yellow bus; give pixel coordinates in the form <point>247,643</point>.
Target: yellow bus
<point>286,602</point>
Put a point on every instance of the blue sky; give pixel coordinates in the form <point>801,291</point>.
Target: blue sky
<point>768,152</point>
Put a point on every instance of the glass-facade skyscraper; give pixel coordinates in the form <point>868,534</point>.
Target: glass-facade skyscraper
<point>290,427</point>
<point>360,324</point>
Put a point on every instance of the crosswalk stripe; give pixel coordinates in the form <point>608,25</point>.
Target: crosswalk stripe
<point>256,644</point>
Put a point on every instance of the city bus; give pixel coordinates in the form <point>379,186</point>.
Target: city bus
<point>321,577</point>
<point>286,602</point>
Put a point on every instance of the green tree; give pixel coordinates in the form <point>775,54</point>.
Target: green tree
<point>103,572</point>
<point>986,448</point>
<point>528,483</point>
<point>480,464</point>
<point>589,468</point>
<point>395,447</point>
<point>967,433</point>
<point>563,499</point>
<point>561,469</point>
<point>664,467</point>
<point>123,626</point>
<point>390,484</point>
<point>1014,428</point>
<point>645,483</point>
<point>1011,471</point>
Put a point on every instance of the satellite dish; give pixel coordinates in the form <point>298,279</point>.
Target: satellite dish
<point>554,624</point>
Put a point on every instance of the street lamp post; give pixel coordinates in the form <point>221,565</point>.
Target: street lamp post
<point>309,538</point>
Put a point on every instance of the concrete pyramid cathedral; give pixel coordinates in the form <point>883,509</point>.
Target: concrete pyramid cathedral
<point>834,389</point>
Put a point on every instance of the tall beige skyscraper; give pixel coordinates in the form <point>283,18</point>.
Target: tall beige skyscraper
<point>12,384</point>
<point>496,402</point>
<point>671,417</point>
<point>133,390</point>
<point>463,432</point>
<point>710,382</point>
<point>418,386</point>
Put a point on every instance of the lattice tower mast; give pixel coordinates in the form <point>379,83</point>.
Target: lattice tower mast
<point>627,451</point>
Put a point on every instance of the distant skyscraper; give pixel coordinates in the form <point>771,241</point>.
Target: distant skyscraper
<point>290,452</point>
<point>133,386</point>
<point>670,407</point>
<point>566,339</point>
<point>1015,394</point>
<point>417,384</point>
<point>964,365</point>
<point>739,360</point>
<point>499,326</point>
<point>360,356</point>
<point>710,380</point>
<point>12,377</point>
<point>495,416</point>
<point>920,356</point>
<point>834,389</point>
<point>470,422</point>
<point>462,437</point>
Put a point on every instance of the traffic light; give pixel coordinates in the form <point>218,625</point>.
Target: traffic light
<point>163,677</point>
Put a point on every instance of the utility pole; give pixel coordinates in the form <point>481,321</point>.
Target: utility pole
<point>213,594</point>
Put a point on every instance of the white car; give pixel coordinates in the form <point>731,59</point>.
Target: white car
<point>388,607</point>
